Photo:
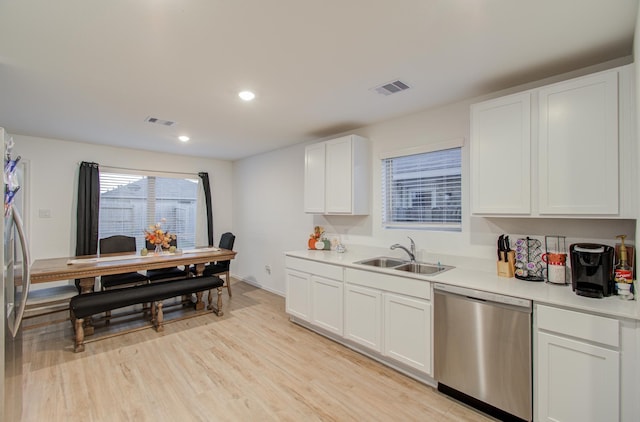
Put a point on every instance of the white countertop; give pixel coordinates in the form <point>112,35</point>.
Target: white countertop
<point>481,279</point>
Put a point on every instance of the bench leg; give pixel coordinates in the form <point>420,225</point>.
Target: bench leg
<point>87,286</point>
<point>199,302</point>
<point>88,326</point>
<point>218,308</point>
<point>153,313</point>
<point>159,318</point>
<point>79,338</point>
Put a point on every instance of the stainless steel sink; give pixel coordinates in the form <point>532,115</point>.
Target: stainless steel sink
<point>402,265</point>
<point>382,261</point>
<point>423,268</point>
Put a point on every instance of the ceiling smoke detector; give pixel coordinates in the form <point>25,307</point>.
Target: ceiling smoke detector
<point>391,87</point>
<point>159,121</point>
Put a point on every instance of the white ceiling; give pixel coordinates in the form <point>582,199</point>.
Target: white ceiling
<point>92,71</point>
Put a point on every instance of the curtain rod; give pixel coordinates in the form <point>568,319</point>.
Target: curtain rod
<point>182,173</point>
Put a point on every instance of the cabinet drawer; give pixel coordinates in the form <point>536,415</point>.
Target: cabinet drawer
<point>313,267</point>
<point>389,283</point>
<point>580,325</point>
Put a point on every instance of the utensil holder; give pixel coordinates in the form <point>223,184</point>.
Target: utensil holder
<point>507,269</point>
<point>555,256</point>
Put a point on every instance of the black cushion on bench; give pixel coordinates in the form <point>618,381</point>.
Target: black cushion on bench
<point>97,302</point>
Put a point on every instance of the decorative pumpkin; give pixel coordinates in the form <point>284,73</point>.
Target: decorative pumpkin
<point>327,244</point>
<point>312,243</point>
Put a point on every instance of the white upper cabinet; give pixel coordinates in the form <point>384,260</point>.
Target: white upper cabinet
<point>578,146</point>
<point>501,155</point>
<point>338,176</point>
<point>562,150</point>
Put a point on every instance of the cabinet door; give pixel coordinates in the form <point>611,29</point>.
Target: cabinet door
<point>339,175</point>
<point>363,316</point>
<point>326,304</point>
<point>407,331</point>
<point>298,300</point>
<point>314,178</point>
<point>578,146</point>
<point>501,155</point>
<point>577,382</point>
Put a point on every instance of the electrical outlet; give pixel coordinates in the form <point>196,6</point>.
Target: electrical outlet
<point>267,268</point>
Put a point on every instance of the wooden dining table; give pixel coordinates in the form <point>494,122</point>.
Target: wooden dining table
<point>87,268</point>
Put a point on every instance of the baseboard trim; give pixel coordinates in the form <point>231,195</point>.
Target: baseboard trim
<point>258,285</point>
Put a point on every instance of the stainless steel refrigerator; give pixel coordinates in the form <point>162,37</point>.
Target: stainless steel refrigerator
<point>15,285</point>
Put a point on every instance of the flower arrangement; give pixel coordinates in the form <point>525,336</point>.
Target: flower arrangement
<point>157,236</point>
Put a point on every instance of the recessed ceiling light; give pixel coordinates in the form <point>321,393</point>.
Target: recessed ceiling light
<point>183,138</point>
<point>247,95</point>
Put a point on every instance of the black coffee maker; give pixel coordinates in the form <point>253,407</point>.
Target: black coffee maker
<point>592,269</point>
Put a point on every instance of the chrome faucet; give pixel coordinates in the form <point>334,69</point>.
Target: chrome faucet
<point>412,252</point>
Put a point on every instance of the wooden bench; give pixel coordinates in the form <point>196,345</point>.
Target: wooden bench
<point>85,305</point>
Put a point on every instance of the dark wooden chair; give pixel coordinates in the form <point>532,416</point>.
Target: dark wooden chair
<point>222,267</point>
<point>165,274</point>
<point>119,244</point>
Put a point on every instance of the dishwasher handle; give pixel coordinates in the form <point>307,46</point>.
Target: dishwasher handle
<point>480,295</point>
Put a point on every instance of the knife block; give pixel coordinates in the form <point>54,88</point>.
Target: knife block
<point>507,269</point>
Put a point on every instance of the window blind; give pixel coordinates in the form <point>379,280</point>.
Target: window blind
<point>130,203</point>
<point>423,189</point>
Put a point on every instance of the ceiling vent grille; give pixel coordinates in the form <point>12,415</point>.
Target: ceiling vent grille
<point>159,121</point>
<point>391,87</point>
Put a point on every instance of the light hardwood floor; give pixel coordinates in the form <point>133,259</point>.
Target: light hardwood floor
<point>252,364</point>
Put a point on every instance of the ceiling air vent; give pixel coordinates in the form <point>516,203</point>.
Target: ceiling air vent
<point>391,88</point>
<point>159,121</point>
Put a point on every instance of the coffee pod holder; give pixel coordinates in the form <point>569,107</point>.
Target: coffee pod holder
<point>529,260</point>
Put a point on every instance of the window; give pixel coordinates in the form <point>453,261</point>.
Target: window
<point>129,203</point>
<point>423,190</point>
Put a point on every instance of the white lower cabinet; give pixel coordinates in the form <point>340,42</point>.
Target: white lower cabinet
<point>578,366</point>
<point>327,304</point>
<point>390,315</point>
<point>363,316</point>
<point>407,331</point>
<point>298,294</point>
<point>315,293</point>
<point>578,381</point>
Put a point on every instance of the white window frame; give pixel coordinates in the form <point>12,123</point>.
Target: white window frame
<point>387,222</point>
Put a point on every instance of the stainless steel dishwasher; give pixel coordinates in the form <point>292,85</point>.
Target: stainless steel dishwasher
<point>482,345</point>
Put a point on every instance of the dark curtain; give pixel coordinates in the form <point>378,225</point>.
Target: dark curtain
<point>207,196</point>
<point>88,209</point>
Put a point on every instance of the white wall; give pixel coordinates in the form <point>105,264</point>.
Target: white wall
<point>268,200</point>
<point>53,185</point>
<point>269,217</point>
